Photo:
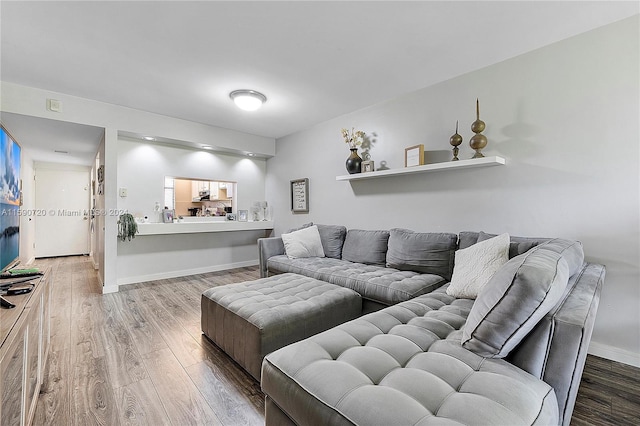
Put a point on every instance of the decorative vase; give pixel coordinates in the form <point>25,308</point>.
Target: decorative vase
<point>478,141</point>
<point>354,162</point>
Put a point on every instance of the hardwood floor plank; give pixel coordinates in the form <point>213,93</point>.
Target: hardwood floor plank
<point>54,402</point>
<point>146,337</point>
<point>93,401</point>
<point>139,404</point>
<point>121,357</point>
<point>229,402</point>
<point>182,400</point>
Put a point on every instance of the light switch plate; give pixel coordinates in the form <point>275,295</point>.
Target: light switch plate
<point>123,192</point>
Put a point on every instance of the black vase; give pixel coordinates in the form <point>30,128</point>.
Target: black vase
<point>354,162</point>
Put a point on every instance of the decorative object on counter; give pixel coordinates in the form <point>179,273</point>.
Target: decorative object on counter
<point>257,212</point>
<point>354,138</point>
<point>414,156</point>
<point>455,140</point>
<point>231,217</point>
<point>127,227</point>
<point>300,195</point>
<point>167,215</point>
<point>243,215</point>
<point>478,141</point>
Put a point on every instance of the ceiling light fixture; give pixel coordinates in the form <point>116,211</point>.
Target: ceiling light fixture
<point>207,147</point>
<point>148,138</point>
<point>248,100</point>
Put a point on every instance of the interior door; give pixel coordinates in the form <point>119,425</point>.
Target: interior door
<point>63,200</point>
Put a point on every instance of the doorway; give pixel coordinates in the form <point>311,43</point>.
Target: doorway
<point>62,210</point>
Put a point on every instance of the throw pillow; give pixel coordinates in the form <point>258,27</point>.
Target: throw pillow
<point>517,245</point>
<point>368,247</point>
<point>332,237</point>
<point>428,253</point>
<point>518,296</point>
<point>474,266</point>
<point>303,243</point>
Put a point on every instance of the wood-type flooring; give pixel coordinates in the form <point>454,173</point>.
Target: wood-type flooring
<point>137,357</point>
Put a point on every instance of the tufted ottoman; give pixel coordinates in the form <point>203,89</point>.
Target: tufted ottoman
<point>403,365</point>
<point>251,319</point>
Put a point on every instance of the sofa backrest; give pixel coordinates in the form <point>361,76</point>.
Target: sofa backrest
<point>517,246</point>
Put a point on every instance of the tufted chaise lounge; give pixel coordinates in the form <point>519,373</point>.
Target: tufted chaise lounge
<point>403,365</point>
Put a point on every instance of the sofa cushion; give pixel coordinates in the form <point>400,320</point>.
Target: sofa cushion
<point>474,266</point>
<point>386,286</point>
<point>332,238</point>
<point>403,365</point>
<point>517,246</point>
<point>519,295</point>
<point>303,243</point>
<point>368,247</point>
<point>430,253</point>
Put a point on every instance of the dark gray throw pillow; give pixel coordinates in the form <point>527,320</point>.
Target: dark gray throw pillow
<point>428,253</point>
<point>332,237</point>
<point>517,246</point>
<point>369,247</point>
<point>521,293</point>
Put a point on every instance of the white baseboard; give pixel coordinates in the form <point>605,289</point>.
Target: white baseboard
<point>614,354</point>
<point>109,289</point>
<point>184,272</point>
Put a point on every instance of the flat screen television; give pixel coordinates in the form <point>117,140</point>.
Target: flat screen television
<point>9,200</point>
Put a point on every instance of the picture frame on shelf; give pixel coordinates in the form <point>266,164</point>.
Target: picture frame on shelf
<point>367,166</point>
<point>414,156</point>
<point>243,215</point>
<point>168,215</point>
<point>231,217</point>
<point>299,195</point>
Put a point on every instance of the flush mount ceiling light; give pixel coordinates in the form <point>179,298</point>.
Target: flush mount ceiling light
<point>248,100</point>
<point>148,138</point>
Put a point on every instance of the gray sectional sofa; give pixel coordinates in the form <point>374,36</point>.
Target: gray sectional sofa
<point>358,260</point>
<point>514,355</point>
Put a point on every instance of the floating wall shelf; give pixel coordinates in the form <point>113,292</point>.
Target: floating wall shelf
<point>450,165</point>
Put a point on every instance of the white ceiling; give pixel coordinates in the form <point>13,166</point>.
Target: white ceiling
<point>313,60</point>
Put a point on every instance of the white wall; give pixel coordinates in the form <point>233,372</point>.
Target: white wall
<point>116,119</point>
<point>27,222</point>
<point>566,119</point>
<point>142,168</point>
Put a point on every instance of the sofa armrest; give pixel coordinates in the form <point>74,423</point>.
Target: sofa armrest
<point>268,247</point>
<point>556,349</point>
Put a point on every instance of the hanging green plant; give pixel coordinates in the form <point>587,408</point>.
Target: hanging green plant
<point>127,227</point>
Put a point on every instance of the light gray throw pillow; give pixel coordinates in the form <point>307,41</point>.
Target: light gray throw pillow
<point>332,237</point>
<point>303,243</point>
<point>428,253</point>
<point>369,247</point>
<point>523,291</point>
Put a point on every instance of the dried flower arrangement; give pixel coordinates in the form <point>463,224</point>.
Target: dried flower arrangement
<point>353,138</point>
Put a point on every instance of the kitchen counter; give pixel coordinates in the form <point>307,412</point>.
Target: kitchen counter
<point>202,226</point>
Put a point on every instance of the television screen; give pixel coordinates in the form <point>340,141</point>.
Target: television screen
<point>9,200</point>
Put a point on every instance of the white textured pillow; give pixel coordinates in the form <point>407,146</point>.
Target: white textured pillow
<point>303,243</point>
<point>475,265</point>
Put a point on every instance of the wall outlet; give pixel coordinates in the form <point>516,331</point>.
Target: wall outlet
<point>122,192</point>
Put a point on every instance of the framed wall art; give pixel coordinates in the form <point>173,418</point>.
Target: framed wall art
<point>367,166</point>
<point>414,156</point>
<point>300,195</point>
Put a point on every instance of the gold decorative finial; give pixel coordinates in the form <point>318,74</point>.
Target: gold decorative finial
<point>478,141</point>
<point>455,140</point>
